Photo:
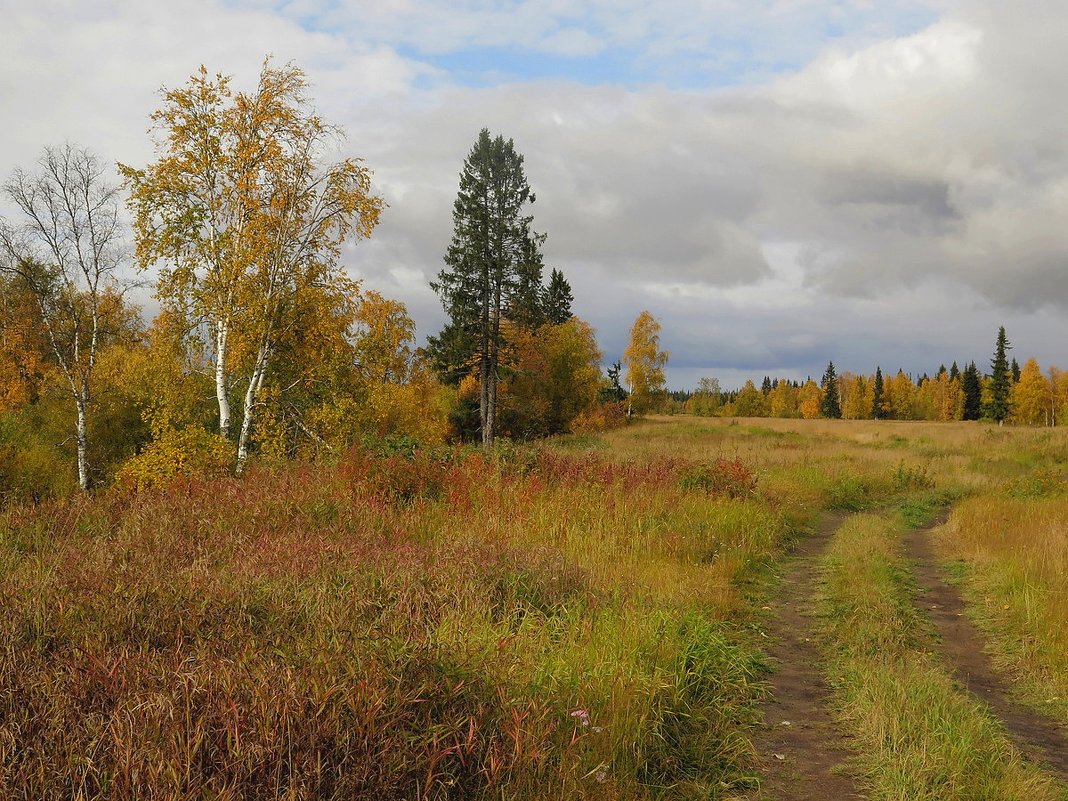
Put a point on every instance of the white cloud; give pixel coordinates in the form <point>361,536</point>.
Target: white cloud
<point>903,190</point>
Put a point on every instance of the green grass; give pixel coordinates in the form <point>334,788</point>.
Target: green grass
<point>917,735</point>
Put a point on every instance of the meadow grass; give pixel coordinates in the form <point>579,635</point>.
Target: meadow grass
<point>918,736</point>
<point>574,620</point>
<point>443,626</point>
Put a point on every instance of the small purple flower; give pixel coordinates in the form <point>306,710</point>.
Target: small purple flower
<point>582,715</point>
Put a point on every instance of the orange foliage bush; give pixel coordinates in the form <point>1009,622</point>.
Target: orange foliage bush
<point>602,417</point>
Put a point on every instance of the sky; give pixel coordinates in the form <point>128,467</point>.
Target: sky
<point>780,182</point>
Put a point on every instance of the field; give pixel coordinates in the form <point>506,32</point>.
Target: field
<point>594,617</point>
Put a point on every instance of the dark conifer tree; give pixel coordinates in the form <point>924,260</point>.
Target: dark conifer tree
<point>491,246</point>
<point>766,386</point>
<point>614,391</point>
<point>878,405</point>
<point>1000,379</point>
<point>558,299</point>
<point>830,404</point>
<point>972,388</point>
<point>954,372</point>
<point>526,304</point>
<point>1015,371</point>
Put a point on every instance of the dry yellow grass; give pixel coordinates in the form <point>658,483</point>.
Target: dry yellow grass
<point>1015,553</point>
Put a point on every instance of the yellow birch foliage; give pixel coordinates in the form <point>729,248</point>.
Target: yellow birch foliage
<point>1058,380</point>
<point>858,394</point>
<point>23,347</point>
<point>939,399</point>
<point>553,376</point>
<point>750,401</point>
<point>244,220</point>
<point>809,397</point>
<point>782,401</point>
<point>645,364</point>
<point>899,392</point>
<point>1031,399</point>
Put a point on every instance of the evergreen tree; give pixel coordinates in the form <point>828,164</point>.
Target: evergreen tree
<point>450,352</point>
<point>878,405</point>
<point>526,306</point>
<point>954,372</point>
<point>941,370</point>
<point>614,392</point>
<point>972,389</point>
<point>1000,379</point>
<point>1015,371</point>
<point>766,386</point>
<point>558,299</point>
<point>830,403</point>
<point>489,258</point>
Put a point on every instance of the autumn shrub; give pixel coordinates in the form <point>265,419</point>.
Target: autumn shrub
<point>178,453</point>
<point>728,477</point>
<point>32,465</point>
<point>600,417</point>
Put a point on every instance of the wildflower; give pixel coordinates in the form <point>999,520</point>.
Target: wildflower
<point>582,715</point>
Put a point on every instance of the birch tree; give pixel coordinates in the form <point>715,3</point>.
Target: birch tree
<point>66,249</point>
<point>242,217</point>
<point>645,364</point>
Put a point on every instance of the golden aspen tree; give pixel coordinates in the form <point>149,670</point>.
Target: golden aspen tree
<point>808,400</point>
<point>243,218</point>
<point>1058,389</point>
<point>782,401</point>
<point>857,396</point>
<point>1029,397</point>
<point>23,346</point>
<point>645,364</point>
<point>750,401</point>
<point>900,393</point>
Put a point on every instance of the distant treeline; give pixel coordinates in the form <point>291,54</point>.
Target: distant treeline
<point>1007,393</point>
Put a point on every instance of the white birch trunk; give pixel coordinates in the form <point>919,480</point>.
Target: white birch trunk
<point>81,438</point>
<point>254,384</point>
<point>222,334</point>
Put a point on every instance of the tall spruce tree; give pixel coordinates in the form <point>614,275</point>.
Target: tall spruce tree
<point>1000,379</point>
<point>526,306</point>
<point>954,372</point>
<point>972,389</point>
<point>491,247</point>
<point>878,404</point>
<point>558,299</point>
<point>830,403</point>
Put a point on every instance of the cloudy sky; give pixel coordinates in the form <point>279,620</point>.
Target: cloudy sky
<point>781,182</point>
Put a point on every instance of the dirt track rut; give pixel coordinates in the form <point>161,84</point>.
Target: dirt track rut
<point>1038,738</point>
<point>801,748</point>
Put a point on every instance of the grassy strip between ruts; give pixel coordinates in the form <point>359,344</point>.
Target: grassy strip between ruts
<point>919,737</point>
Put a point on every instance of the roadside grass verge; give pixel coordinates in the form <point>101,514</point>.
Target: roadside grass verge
<point>1010,550</point>
<point>918,736</point>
